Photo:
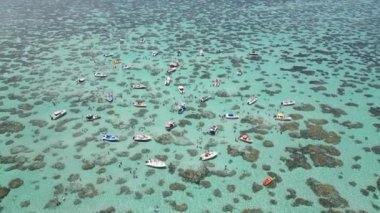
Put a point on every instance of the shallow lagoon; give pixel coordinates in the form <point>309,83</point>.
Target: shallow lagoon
<point>322,54</point>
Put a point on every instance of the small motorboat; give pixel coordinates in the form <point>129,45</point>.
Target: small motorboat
<point>81,80</point>
<point>168,80</point>
<point>239,72</point>
<point>206,98</point>
<point>170,125</point>
<point>252,100</point>
<point>245,138</point>
<point>155,53</point>
<point>139,104</point>
<point>201,52</point>
<point>208,155</point>
<point>138,86</point>
<point>171,69</point>
<point>108,54</point>
<point>100,75</point>
<point>142,138</point>
<point>58,114</point>
<point>287,102</point>
<point>174,64</point>
<point>110,138</point>
<point>126,66</point>
<point>231,116</point>
<point>282,117</point>
<point>116,61</point>
<point>155,163</point>
<point>91,117</point>
<point>217,82</point>
<point>181,108</point>
<point>181,89</point>
<point>109,97</point>
<point>267,181</point>
<point>212,130</point>
<point>254,55</point>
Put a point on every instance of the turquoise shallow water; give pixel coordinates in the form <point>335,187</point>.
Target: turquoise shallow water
<point>322,54</point>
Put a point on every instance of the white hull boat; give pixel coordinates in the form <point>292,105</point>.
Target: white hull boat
<point>142,138</point>
<point>208,155</point>
<point>139,104</point>
<point>171,69</point>
<point>170,125</point>
<point>181,89</point>
<point>231,116</point>
<point>110,138</point>
<point>92,117</point>
<point>287,102</point>
<point>282,117</point>
<point>58,114</point>
<point>100,75</point>
<point>205,98</point>
<point>138,86</point>
<point>155,163</point>
<point>167,81</point>
<point>252,100</point>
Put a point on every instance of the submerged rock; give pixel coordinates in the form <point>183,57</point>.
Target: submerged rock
<point>178,207</point>
<point>194,176</point>
<point>15,183</point>
<point>328,196</point>
<point>250,154</point>
<point>3,192</point>
<point>11,127</point>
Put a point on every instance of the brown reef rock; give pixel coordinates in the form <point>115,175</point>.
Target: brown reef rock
<point>328,196</point>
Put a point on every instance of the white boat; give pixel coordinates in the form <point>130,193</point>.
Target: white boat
<point>81,80</point>
<point>109,97</point>
<point>139,104</point>
<point>91,117</point>
<point>181,108</point>
<point>173,64</point>
<point>110,138</point>
<point>155,163</point>
<point>168,80</point>
<point>108,54</point>
<point>217,82</point>
<point>282,117</point>
<point>57,114</point>
<point>208,155</point>
<point>252,100</point>
<point>171,69</point>
<point>205,98</point>
<point>212,130</point>
<point>155,53</point>
<point>201,52</point>
<point>100,74</point>
<point>126,66</point>
<point>170,125</point>
<point>181,89</point>
<point>142,138</point>
<point>287,102</point>
<point>231,116</point>
<point>138,86</point>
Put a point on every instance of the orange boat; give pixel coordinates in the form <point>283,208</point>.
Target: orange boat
<point>245,138</point>
<point>116,61</point>
<point>267,181</point>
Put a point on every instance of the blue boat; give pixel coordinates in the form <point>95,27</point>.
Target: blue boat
<point>213,129</point>
<point>109,97</point>
<point>181,108</point>
<point>110,138</point>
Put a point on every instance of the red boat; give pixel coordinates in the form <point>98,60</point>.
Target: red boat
<point>170,125</point>
<point>267,181</point>
<point>245,138</point>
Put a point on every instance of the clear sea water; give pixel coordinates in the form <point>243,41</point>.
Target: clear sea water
<point>322,54</point>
